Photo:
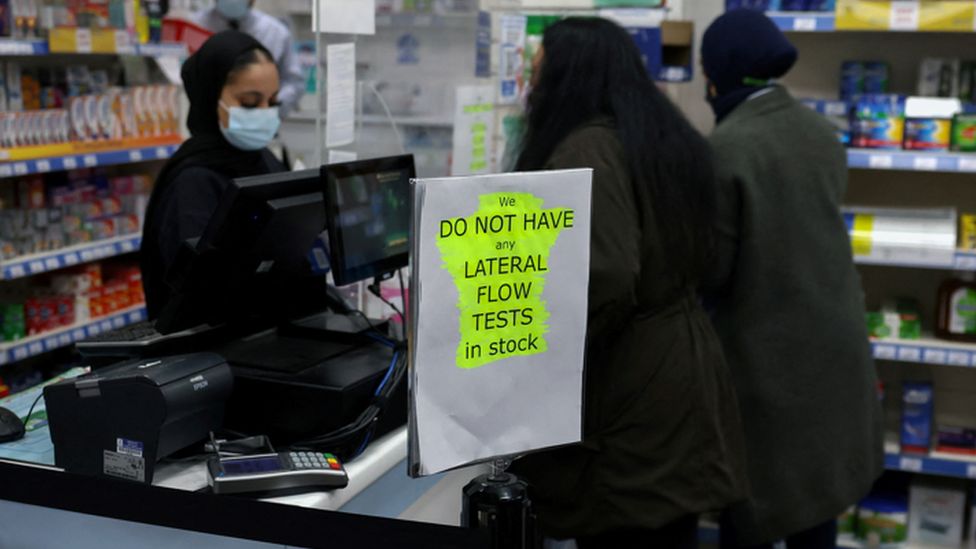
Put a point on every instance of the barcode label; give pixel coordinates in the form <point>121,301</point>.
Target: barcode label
<point>90,160</point>
<point>70,163</point>
<point>910,464</point>
<point>925,163</point>
<point>43,166</point>
<point>881,161</point>
<point>804,24</point>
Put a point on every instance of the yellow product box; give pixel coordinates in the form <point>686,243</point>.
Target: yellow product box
<point>920,15</point>
<point>967,231</point>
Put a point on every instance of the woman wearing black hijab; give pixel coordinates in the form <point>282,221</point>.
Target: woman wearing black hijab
<point>789,306</point>
<point>232,84</point>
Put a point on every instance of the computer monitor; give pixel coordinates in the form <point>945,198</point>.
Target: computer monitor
<point>368,216</point>
<point>251,261</point>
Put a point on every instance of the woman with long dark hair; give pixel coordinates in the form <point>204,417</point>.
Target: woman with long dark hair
<point>662,438</point>
<point>232,84</point>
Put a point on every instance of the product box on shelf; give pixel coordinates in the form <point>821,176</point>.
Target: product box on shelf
<point>878,122</point>
<point>937,512</point>
<point>964,133</point>
<point>956,440</point>
<point>897,319</point>
<point>882,521</point>
<point>918,409</point>
<point>928,122</point>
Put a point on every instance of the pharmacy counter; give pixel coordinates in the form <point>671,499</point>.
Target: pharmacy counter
<point>41,506</point>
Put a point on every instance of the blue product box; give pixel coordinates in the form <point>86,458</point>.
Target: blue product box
<point>875,77</point>
<point>795,5</point>
<point>851,80</point>
<point>917,411</point>
<point>762,5</point>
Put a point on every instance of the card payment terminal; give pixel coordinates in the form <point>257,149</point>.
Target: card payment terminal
<point>282,471</point>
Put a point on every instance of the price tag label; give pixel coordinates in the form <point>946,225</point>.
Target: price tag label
<point>36,267</point>
<point>925,163</point>
<point>162,153</point>
<point>105,325</point>
<point>17,271</point>
<point>94,330</point>
<point>35,348</point>
<point>70,162</point>
<point>967,164</point>
<point>118,322</point>
<point>904,15</point>
<point>127,246</point>
<point>910,464</point>
<point>43,166</point>
<point>90,161</point>
<point>78,334</point>
<point>958,358</point>
<point>71,259</point>
<point>135,155</point>
<point>64,340</point>
<point>52,263</point>
<point>20,168</point>
<point>123,43</point>
<point>87,255</point>
<point>909,354</point>
<point>971,471</point>
<point>20,353</point>
<point>805,24</point>
<point>835,108</point>
<point>881,161</point>
<point>51,343</point>
<point>83,40</point>
<point>6,170</point>
<point>885,352</point>
<point>134,317</point>
<point>935,356</point>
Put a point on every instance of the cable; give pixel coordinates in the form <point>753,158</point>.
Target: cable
<point>403,299</point>
<point>374,289</point>
<point>389,116</point>
<point>31,410</point>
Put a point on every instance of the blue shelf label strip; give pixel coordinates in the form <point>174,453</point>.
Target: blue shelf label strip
<point>908,352</point>
<point>930,466</point>
<point>899,160</point>
<point>804,22</point>
<point>60,260</point>
<point>71,336</point>
<point>71,162</point>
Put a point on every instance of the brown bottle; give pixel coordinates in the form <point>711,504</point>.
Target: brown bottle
<point>956,318</point>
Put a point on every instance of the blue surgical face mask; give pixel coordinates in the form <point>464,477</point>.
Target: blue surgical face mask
<point>233,9</point>
<point>250,129</point>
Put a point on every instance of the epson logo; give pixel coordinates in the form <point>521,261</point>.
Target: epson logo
<point>199,383</point>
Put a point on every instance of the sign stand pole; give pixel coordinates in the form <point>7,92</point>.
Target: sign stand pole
<point>499,503</point>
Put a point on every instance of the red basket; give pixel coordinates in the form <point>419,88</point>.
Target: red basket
<point>187,32</point>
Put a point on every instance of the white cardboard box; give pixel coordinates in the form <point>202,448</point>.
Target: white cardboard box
<point>936,513</point>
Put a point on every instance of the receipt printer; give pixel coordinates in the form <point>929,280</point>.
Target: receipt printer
<point>120,420</point>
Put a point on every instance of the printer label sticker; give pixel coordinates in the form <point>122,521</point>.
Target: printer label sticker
<point>124,466</point>
<point>129,447</point>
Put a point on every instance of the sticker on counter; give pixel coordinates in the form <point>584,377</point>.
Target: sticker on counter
<point>123,466</point>
<point>129,447</point>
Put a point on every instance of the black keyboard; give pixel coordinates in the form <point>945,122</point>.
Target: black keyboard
<point>138,332</point>
<point>141,339</point>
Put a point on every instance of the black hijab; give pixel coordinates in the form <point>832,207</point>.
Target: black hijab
<point>204,75</point>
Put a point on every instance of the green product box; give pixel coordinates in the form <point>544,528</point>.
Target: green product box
<point>13,324</point>
<point>964,133</point>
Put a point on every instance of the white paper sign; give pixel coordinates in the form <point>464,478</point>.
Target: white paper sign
<point>337,157</point>
<point>340,106</point>
<point>345,16</point>
<point>510,64</point>
<point>474,126</point>
<point>500,267</point>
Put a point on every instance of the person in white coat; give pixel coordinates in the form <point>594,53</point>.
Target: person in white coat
<point>271,32</point>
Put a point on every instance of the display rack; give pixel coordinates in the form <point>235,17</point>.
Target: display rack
<point>63,337</point>
<point>935,464</point>
<point>35,264</point>
<point>962,260</point>
<point>121,46</point>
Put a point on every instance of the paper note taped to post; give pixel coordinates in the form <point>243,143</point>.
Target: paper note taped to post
<point>500,277</point>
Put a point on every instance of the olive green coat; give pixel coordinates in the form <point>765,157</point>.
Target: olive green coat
<point>790,313</point>
<point>662,432</point>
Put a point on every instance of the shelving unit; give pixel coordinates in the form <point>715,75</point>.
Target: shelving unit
<point>63,337</point>
<point>88,156</point>
<point>962,260</point>
<point>935,463</point>
<point>123,47</point>
<point>35,264</point>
